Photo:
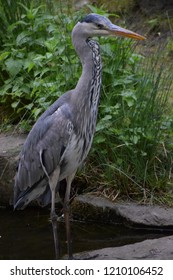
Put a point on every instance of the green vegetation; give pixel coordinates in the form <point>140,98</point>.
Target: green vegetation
<point>132,150</point>
<point>38,63</point>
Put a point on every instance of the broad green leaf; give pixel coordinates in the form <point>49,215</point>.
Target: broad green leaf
<point>13,66</point>
<point>23,37</point>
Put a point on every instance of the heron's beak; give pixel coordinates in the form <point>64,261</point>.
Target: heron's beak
<point>116,30</point>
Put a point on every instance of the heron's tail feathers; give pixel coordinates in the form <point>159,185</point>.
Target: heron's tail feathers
<point>40,192</point>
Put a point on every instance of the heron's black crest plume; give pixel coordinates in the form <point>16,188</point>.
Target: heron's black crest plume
<point>96,19</point>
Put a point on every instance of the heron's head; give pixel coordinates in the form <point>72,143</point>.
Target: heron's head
<point>97,25</point>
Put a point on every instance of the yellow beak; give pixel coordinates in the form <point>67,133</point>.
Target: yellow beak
<point>116,30</point>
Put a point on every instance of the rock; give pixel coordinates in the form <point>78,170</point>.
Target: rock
<point>10,147</point>
<point>154,249</point>
<point>93,208</point>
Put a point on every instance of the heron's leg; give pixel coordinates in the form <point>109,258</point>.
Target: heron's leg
<point>56,239</point>
<point>53,179</point>
<point>69,180</point>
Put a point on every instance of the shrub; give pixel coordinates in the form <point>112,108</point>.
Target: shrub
<point>38,63</point>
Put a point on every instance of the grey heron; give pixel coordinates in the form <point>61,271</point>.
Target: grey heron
<point>62,136</point>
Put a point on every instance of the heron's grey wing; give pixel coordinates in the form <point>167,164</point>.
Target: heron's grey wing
<point>45,145</point>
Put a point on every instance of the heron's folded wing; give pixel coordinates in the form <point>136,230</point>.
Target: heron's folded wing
<point>48,139</point>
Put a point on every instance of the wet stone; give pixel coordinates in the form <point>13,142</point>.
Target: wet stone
<point>91,207</point>
<point>154,249</point>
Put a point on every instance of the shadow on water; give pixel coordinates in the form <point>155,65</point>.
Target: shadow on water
<point>28,235</point>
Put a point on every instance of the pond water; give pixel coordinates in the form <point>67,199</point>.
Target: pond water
<point>28,235</point>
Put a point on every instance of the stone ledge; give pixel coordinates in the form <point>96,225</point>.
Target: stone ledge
<point>154,249</point>
<point>93,208</point>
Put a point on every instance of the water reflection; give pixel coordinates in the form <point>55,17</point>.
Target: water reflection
<point>55,231</point>
<point>28,235</point>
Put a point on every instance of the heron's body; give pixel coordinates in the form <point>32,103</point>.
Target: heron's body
<point>57,139</point>
<point>61,138</point>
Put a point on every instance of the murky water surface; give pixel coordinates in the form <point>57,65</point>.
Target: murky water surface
<point>28,235</point>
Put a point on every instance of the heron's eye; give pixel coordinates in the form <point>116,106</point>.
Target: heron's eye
<point>100,26</point>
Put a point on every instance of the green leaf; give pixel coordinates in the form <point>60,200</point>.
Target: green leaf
<point>29,65</point>
<point>13,66</point>
<point>135,139</point>
<point>4,55</point>
<point>36,112</point>
<point>130,102</point>
<point>129,97</point>
<point>29,106</point>
<point>51,44</point>
<point>23,38</point>
<point>15,104</point>
<point>100,139</point>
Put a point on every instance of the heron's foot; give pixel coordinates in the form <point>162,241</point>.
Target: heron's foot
<point>53,216</point>
<point>57,218</point>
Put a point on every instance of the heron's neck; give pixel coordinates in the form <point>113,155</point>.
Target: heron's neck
<point>89,84</point>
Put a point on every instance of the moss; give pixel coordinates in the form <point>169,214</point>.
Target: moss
<point>88,212</point>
